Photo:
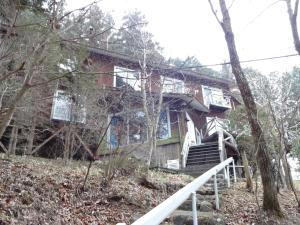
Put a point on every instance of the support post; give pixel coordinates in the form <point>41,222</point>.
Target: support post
<point>234,172</point>
<point>225,173</point>
<point>194,206</point>
<point>228,176</point>
<point>217,202</point>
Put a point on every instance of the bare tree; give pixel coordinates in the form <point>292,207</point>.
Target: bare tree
<point>293,14</point>
<point>270,199</point>
<point>31,50</point>
<point>152,98</point>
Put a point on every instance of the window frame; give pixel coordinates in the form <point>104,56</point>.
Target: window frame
<point>127,123</point>
<point>71,115</point>
<point>168,124</point>
<point>136,87</point>
<point>127,138</point>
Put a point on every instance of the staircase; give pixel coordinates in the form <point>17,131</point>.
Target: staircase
<point>177,210</point>
<point>201,158</point>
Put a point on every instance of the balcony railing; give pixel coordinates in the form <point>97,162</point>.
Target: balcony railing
<point>220,100</point>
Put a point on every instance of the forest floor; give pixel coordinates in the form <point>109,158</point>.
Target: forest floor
<point>43,191</point>
<point>241,207</point>
<point>297,184</point>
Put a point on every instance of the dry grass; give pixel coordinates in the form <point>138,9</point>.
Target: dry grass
<point>43,191</point>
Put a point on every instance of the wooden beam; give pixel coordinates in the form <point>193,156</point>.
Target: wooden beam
<point>84,145</point>
<point>47,140</point>
<point>3,147</point>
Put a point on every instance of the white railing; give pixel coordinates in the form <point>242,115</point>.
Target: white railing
<point>220,100</point>
<point>163,210</point>
<point>221,146</point>
<point>185,149</point>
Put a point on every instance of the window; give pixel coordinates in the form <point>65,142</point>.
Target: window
<point>132,129</point>
<point>61,106</point>
<point>214,96</point>
<point>127,78</point>
<point>68,108</point>
<point>127,129</point>
<point>137,128</point>
<point>116,134</point>
<point>164,126</point>
<point>172,85</point>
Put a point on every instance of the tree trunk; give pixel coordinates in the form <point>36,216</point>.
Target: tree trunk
<point>31,135</point>
<point>151,147</point>
<point>11,109</point>
<point>13,141</point>
<point>270,199</point>
<point>249,183</point>
<point>67,149</point>
<point>286,170</point>
<point>293,22</point>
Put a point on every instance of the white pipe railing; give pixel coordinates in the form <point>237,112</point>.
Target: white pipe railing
<point>163,210</point>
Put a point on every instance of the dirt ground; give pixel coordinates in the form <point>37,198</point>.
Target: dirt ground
<point>240,207</point>
<point>41,191</point>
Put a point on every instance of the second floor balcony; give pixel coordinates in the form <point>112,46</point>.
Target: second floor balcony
<point>215,97</point>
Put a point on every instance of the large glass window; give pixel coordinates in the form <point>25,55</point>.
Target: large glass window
<point>127,129</point>
<point>137,128</point>
<point>127,78</point>
<point>164,129</point>
<point>132,128</point>
<point>117,132</point>
<point>61,108</point>
<point>68,108</point>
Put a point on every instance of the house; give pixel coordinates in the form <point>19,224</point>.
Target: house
<point>192,125</point>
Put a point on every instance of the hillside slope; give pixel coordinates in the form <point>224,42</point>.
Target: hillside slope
<point>40,191</point>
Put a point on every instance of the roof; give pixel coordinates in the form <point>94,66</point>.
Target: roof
<point>189,100</point>
<point>159,66</point>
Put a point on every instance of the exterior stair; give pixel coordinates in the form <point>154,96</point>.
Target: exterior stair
<point>206,207</point>
<point>201,158</point>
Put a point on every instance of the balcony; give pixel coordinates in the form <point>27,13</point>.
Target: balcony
<point>175,86</point>
<point>220,101</point>
<point>215,97</point>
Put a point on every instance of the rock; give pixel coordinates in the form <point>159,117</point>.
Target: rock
<point>213,220</point>
<point>187,205</point>
<point>206,206</point>
<point>180,217</point>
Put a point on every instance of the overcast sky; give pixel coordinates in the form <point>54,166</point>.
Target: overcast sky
<point>188,28</point>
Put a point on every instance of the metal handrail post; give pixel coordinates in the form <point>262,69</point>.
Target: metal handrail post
<point>164,209</point>
<point>234,172</point>
<point>194,206</point>
<point>228,177</point>
<point>216,192</point>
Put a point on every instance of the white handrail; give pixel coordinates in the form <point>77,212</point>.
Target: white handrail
<point>163,210</point>
<point>185,149</point>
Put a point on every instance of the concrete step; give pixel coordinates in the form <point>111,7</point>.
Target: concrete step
<point>202,162</point>
<point>197,170</point>
<point>204,153</point>
<point>181,217</point>
<point>207,144</point>
<point>203,157</point>
<point>199,155</point>
<point>212,149</point>
<point>187,205</point>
